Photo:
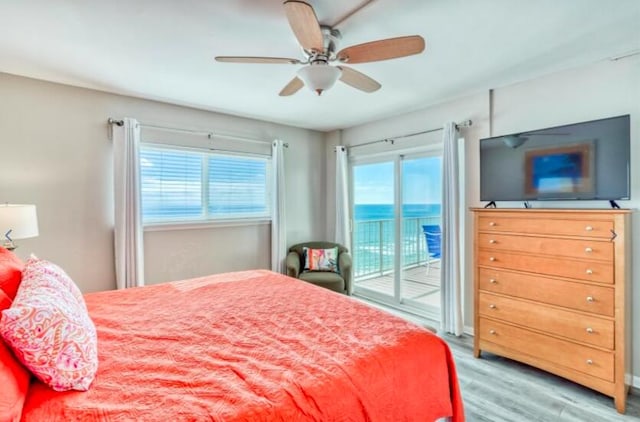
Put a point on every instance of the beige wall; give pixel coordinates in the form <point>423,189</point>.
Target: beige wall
<point>56,154</point>
<point>600,90</point>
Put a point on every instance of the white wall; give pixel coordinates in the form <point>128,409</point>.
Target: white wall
<point>599,90</point>
<point>56,154</point>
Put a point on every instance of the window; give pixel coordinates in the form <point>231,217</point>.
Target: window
<point>187,185</point>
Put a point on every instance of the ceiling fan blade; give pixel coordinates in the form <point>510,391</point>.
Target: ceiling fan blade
<point>389,48</point>
<point>292,87</point>
<point>260,60</point>
<point>358,80</point>
<point>304,23</point>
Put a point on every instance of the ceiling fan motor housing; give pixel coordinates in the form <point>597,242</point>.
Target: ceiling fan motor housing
<point>331,38</point>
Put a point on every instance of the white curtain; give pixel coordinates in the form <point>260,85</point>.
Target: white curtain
<point>342,235</point>
<point>129,252</point>
<point>278,219</point>
<point>451,297</point>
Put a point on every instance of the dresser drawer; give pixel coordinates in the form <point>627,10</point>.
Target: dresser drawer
<point>587,329</point>
<point>601,272</point>
<point>569,294</point>
<point>585,249</point>
<point>531,225</point>
<point>581,358</point>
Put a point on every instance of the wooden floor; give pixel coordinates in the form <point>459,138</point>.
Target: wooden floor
<point>496,389</point>
<point>418,284</point>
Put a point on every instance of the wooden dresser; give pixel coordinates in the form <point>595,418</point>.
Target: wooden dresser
<point>551,290</point>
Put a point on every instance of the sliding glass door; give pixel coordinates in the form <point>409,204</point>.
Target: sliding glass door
<point>374,229</point>
<point>421,197</point>
<point>396,236</point>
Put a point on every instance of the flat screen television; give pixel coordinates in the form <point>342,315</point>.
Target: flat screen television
<point>588,160</point>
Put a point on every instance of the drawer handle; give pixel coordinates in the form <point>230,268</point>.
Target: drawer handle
<point>590,299</point>
<point>492,241</point>
<point>589,362</point>
<point>492,332</point>
<point>492,306</point>
<point>588,250</point>
<point>492,223</point>
<point>492,258</point>
<point>589,271</point>
<point>589,228</point>
<point>589,330</point>
<point>492,281</point>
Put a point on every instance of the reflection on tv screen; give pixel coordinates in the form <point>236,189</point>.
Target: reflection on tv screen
<point>587,160</point>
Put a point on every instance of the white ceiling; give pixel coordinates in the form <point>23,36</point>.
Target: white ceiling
<point>164,49</point>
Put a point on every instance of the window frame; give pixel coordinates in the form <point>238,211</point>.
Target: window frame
<point>207,219</point>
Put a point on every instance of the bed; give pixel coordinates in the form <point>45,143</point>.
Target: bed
<point>254,346</point>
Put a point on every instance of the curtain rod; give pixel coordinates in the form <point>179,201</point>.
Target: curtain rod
<point>201,149</point>
<point>392,139</point>
<point>209,134</point>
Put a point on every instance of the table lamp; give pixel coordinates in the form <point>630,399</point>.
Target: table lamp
<point>17,221</point>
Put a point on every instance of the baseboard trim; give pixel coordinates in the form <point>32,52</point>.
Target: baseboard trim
<point>468,330</point>
<point>635,381</point>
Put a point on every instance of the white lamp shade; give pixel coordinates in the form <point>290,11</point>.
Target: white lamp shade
<point>20,219</point>
<point>319,77</point>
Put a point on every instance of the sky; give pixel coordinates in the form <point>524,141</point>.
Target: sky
<point>373,183</point>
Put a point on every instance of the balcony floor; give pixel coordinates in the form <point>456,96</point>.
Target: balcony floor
<point>416,284</point>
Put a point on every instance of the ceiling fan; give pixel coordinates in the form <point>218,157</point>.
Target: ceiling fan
<point>319,44</point>
<point>518,139</point>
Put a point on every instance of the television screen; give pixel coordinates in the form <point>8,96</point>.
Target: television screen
<point>588,160</point>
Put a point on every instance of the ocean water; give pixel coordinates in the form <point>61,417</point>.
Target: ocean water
<point>364,212</point>
<point>373,245</point>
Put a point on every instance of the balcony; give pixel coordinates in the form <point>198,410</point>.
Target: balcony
<point>374,247</point>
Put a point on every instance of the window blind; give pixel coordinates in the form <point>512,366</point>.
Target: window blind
<point>237,186</point>
<point>171,184</point>
<point>183,185</point>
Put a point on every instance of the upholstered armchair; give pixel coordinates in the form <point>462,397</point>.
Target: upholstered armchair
<point>339,282</point>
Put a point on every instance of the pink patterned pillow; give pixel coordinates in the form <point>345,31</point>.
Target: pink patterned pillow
<point>47,274</point>
<point>50,331</point>
<point>321,259</point>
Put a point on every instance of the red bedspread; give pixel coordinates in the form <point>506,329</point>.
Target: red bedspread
<point>254,346</point>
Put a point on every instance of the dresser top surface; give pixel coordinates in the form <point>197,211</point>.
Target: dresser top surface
<point>557,210</point>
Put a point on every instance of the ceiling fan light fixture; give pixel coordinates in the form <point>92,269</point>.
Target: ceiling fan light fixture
<point>319,77</point>
<point>514,141</point>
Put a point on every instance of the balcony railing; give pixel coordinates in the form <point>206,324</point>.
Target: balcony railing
<point>374,245</point>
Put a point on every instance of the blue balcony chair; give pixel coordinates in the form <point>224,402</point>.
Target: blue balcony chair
<point>433,237</point>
